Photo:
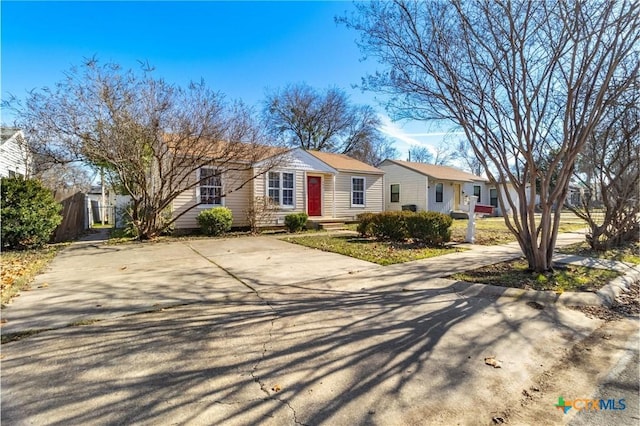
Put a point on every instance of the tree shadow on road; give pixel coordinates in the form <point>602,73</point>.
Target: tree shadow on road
<point>307,355</point>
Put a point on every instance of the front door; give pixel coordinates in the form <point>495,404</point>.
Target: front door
<point>314,195</point>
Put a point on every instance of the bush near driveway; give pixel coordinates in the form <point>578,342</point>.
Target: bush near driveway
<point>215,221</point>
<point>29,214</point>
<point>429,228</point>
<point>390,226</point>
<point>296,221</point>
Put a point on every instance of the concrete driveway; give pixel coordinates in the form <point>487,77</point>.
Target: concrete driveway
<point>259,331</point>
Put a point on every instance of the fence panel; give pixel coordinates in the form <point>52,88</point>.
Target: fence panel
<point>74,221</point>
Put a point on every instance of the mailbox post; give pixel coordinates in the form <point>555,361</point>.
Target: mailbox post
<point>471,226</point>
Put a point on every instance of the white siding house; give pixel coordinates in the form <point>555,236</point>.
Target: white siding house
<point>430,187</point>
<point>325,186</point>
<point>14,155</point>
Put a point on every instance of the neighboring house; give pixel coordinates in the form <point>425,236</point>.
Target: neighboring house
<point>15,159</point>
<point>429,187</point>
<point>112,207</point>
<point>510,190</point>
<point>325,186</point>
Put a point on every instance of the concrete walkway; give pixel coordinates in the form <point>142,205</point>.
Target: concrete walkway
<point>246,331</point>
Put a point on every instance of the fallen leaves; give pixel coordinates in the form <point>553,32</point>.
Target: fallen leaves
<point>492,361</point>
<point>20,267</point>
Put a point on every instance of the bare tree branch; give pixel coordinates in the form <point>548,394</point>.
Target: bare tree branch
<point>519,78</point>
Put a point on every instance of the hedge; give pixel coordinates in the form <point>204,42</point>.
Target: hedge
<point>296,221</point>
<point>29,214</point>
<point>215,221</point>
<point>431,228</point>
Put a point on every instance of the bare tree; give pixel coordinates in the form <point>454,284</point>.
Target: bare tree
<point>464,152</point>
<point>420,154</point>
<point>519,78</point>
<point>444,154</point>
<point>608,174</point>
<point>299,115</point>
<point>65,177</point>
<point>151,136</point>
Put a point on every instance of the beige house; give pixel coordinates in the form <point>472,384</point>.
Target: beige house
<point>328,187</point>
<point>429,187</point>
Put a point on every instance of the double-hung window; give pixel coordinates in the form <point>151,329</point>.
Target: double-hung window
<point>439,192</point>
<point>210,186</point>
<point>281,189</point>
<point>476,192</point>
<point>395,193</point>
<point>357,192</point>
<point>493,197</point>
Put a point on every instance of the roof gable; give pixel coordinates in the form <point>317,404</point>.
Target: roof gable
<point>437,172</point>
<point>343,162</point>
<point>299,159</point>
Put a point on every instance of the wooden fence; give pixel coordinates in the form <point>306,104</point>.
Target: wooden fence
<point>74,211</point>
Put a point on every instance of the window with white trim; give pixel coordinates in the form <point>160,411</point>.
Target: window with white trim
<point>395,192</point>
<point>281,188</point>
<point>210,187</point>
<point>357,191</point>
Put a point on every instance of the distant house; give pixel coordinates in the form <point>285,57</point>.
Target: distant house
<point>429,187</point>
<point>15,159</point>
<point>505,188</point>
<point>329,187</point>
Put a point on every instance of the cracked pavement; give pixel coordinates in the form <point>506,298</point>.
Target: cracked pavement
<point>259,331</point>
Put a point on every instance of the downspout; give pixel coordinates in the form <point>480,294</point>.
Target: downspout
<point>333,207</point>
<point>383,207</point>
<point>102,197</point>
<point>426,195</point>
<point>305,193</point>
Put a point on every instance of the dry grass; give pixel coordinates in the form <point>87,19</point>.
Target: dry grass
<point>629,253</point>
<point>380,252</point>
<point>493,231</point>
<point>19,268</point>
<point>515,274</point>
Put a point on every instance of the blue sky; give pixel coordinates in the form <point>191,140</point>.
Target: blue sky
<point>242,49</point>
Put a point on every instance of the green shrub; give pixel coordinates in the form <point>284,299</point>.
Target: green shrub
<point>215,221</point>
<point>29,214</point>
<point>296,221</point>
<point>390,225</point>
<point>365,221</point>
<point>431,228</point>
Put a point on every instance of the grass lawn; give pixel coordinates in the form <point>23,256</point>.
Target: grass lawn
<point>630,253</point>
<point>514,274</point>
<point>20,267</point>
<point>382,253</point>
<point>493,231</point>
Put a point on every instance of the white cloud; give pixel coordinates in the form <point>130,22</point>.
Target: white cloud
<point>397,132</point>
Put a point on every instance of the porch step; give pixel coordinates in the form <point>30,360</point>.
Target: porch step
<point>331,226</point>
<point>456,214</point>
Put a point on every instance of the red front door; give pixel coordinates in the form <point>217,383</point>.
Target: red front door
<point>314,196</point>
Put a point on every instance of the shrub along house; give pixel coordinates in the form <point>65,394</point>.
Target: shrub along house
<point>328,187</point>
<point>430,188</point>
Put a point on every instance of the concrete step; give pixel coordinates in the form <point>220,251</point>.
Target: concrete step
<point>331,226</point>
